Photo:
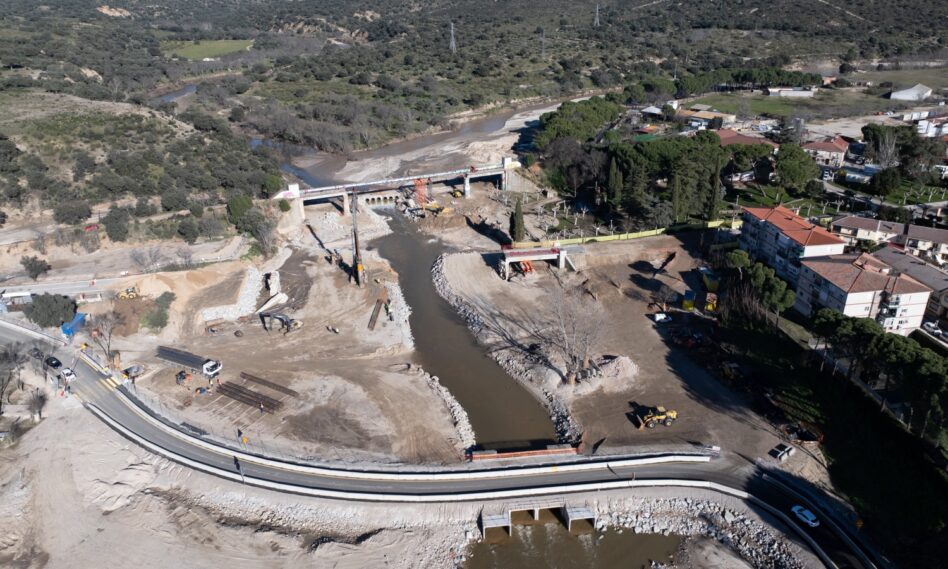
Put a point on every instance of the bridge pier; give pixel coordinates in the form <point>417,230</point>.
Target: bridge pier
<point>467,186</point>
<point>345,204</point>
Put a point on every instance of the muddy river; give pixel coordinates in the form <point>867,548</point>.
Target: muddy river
<point>503,414</point>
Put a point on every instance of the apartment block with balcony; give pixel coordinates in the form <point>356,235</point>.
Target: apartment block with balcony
<point>862,286</point>
<point>928,243</point>
<point>781,239</point>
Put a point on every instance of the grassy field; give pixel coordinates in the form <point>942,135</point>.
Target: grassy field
<point>935,78</point>
<point>911,193</point>
<point>826,104</point>
<point>202,49</point>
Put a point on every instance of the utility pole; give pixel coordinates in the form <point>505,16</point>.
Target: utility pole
<point>358,271</point>
<point>542,43</point>
<point>596,21</point>
<point>453,44</point>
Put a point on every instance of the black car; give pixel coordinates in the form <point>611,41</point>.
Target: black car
<point>53,363</point>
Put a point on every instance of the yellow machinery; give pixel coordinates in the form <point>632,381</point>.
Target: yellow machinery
<point>651,416</point>
<point>130,293</point>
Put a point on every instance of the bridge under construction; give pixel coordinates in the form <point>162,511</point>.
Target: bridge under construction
<point>346,190</point>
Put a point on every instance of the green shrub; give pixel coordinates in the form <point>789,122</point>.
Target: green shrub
<point>72,212</point>
<point>35,266</point>
<point>284,206</point>
<point>50,310</point>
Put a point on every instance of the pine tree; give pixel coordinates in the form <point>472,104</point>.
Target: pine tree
<point>615,184</point>
<point>517,231</point>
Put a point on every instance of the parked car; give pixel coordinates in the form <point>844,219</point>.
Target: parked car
<point>53,363</point>
<point>806,516</point>
<point>932,328</point>
<point>661,318</point>
<point>68,375</point>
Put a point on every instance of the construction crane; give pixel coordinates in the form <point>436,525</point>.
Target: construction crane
<point>358,270</point>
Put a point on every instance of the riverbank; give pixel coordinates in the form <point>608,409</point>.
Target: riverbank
<point>567,430</point>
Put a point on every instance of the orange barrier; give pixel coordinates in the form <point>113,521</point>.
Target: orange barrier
<point>495,455</point>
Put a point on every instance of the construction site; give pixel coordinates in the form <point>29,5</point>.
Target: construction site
<point>394,327</point>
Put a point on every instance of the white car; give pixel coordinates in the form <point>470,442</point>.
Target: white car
<point>67,374</point>
<point>806,516</point>
<point>932,328</point>
<point>661,318</point>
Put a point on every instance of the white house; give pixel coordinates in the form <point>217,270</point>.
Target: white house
<point>862,286</point>
<point>927,242</point>
<point>853,228</point>
<point>780,238</point>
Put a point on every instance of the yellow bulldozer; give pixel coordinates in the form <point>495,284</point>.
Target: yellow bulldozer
<point>651,416</point>
<point>130,293</point>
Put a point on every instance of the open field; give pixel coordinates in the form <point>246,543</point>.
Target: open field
<point>827,103</point>
<point>934,77</point>
<point>204,48</point>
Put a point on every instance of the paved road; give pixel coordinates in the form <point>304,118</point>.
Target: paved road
<point>92,388</point>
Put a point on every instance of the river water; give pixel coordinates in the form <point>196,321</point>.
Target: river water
<point>503,414</point>
<point>546,543</point>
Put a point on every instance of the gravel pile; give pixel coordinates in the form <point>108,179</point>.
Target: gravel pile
<point>515,364</point>
<point>246,300</point>
<point>400,312</point>
<point>758,544</point>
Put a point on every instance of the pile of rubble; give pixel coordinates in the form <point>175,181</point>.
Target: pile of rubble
<point>462,424</point>
<point>759,545</point>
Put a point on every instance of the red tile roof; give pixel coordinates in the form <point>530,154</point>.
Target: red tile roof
<point>795,227</point>
<point>729,137</point>
<point>862,273</point>
<point>836,145</point>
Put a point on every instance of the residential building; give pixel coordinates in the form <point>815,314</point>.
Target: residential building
<point>925,273</point>
<point>917,93</point>
<point>927,242</point>
<point>829,152</point>
<point>780,238</point>
<point>862,286</point>
<point>703,116</point>
<point>853,228</point>
<point>729,137</point>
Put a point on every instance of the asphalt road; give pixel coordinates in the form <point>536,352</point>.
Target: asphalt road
<point>92,388</point>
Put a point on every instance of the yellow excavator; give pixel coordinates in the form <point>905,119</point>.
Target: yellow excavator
<point>130,293</point>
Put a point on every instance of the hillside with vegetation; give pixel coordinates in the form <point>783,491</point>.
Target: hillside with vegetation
<point>326,74</point>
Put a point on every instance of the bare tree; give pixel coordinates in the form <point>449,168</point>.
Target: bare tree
<point>663,297</point>
<point>185,257</point>
<point>105,326</point>
<point>148,259</point>
<point>6,381</point>
<point>886,149</point>
<point>37,404</point>
<point>576,330</point>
